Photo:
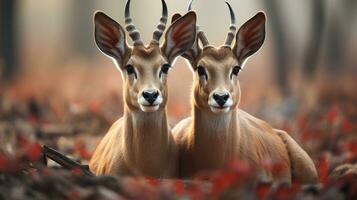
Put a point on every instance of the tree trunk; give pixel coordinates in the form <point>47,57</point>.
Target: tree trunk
<point>82,27</point>
<point>8,51</point>
<point>338,35</point>
<point>280,47</point>
<point>313,48</point>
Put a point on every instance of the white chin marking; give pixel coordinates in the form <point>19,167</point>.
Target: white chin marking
<point>219,110</point>
<point>149,108</point>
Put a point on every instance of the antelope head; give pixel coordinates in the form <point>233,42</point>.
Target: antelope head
<point>144,68</point>
<point>216,86</point>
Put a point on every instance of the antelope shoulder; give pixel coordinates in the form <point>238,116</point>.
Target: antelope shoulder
<point>182,129</point>
<point>106,153</point>
<point>258,141</point>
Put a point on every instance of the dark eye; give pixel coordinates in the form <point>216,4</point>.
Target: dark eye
<point>202,72</point>
<point>130,70</point>
<point>165,69</point>
<point>235,71</point>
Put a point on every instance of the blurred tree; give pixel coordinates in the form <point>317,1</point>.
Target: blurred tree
<point>314,39</point>
<point>82,25</point>
<point>8,37</point>
<point>280,45</point>
<point>338,30</point>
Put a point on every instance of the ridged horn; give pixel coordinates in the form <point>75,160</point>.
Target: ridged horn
<point>130,27</point>
<point>232,27</point>
<point>161,26</point>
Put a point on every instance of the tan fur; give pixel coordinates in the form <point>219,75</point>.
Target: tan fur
<point>209,141</point>
<point>139,143</point>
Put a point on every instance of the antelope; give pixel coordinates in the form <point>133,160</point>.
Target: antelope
<point>140,143</point>
<point>218,131</point>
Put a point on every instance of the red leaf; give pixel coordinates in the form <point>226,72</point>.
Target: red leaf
<point>33,152</point>
<point>351,148</point>
<point>3,162</point>
<point>283,192</point>
<point>347,126</point>
<point>306,135</point>
<point>302,123</point>
<point>11,165</point>
<point>324,170</point>
<point>81,149</point>
<point>223,182</point>
<point>241,167</point>
<point>195,192</point>
<point>77,171</point>
<point>333,114</point>
<point>278,168</point>
<point>23,142</point>
<point>263,190</point>
<point>153,182</point>
<point>179,187</point>
<point>287,192</point>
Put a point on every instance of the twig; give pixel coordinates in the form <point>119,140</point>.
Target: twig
<point>64,161</point>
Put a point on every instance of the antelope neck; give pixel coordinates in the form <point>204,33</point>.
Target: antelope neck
<point>146,125</point>
<point>210,128</point>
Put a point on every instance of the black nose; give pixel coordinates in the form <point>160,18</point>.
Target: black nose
<point>150,96</point>
<point>221,99</point>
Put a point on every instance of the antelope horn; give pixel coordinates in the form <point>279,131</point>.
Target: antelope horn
<point>200,34</point>
<point>232,28</point>
<point>190,5</point>
<point>161,26</point>
<point>130,27</point>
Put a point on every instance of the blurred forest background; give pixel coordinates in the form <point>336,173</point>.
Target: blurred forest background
<point>51,42</point>
<point>57,89</point>
<point>51,68</point>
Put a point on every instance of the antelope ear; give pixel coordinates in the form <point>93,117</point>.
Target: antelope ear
<point>180,36</point>
<point>175,17</point>
<point>192,54</point>
<point>110,37</point>
<point>250,37</point>
<point>194,51</point>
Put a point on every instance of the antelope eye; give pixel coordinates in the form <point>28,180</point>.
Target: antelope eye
<point>165,68</point>
<point>130,70</point>
<point>202,72</point>
<point>235,71</point>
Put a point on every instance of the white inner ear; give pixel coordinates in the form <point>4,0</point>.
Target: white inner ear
<point>116,53</point>
<point>121,43</point>
<point>171,46</point>
<point>241,51</point>
<point>170,42</point>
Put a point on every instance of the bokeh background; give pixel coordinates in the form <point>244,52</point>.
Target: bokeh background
<point>55,81</point>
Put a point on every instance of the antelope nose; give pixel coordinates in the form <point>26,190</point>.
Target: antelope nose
<point>150,95</point>
<point>221,99</point>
